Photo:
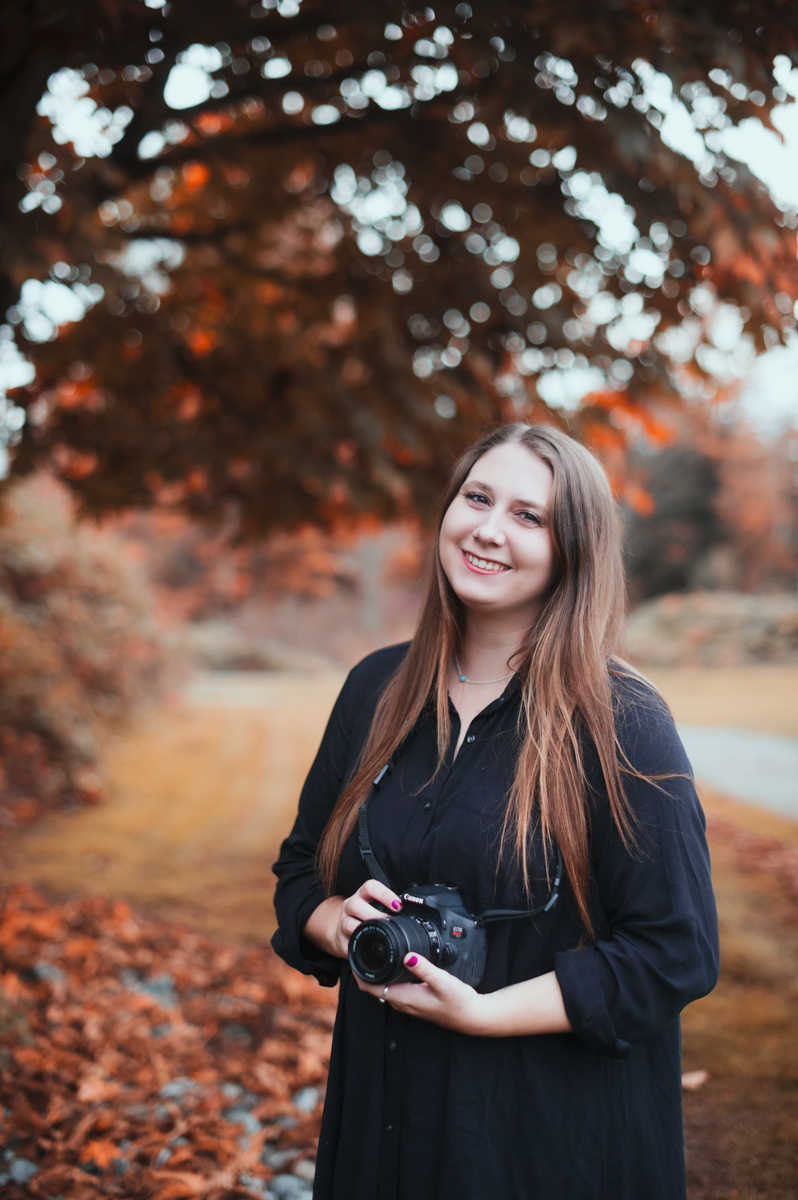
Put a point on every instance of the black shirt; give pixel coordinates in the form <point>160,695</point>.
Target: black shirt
<point>417,1112</point>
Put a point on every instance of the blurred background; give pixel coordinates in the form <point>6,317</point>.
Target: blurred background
<point>265,270</point>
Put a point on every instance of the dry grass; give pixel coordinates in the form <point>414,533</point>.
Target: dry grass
<point>763,699</point>
<point>200,798</point>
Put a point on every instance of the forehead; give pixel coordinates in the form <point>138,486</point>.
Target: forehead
<point>511,469</point>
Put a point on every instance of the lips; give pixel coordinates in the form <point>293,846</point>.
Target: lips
<point>483,566</point>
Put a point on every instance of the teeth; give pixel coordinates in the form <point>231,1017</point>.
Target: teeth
<point>484,563</point>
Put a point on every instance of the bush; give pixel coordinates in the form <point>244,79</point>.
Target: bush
<point>78,651</point>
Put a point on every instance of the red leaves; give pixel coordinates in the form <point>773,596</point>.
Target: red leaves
<point>158,1063</point>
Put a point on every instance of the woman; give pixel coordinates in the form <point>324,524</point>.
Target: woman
<point>518,734</point>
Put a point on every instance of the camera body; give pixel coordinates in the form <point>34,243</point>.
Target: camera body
<point>435,924</point>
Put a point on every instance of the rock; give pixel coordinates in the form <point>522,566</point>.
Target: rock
<point>289,1187</point>
<point>277,1159</point>
<point>220,645</point>
<point>240,1116</point>
<point>713,629</point>
<point>305,1169</point>
<point>21,1170</point>
<point>306,1099</point>
<point>158,987</point>
<point>176,1089</point>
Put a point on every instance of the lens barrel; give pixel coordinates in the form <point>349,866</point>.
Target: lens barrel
<point>377,947</point>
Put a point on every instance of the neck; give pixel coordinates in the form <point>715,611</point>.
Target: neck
<point>490,641</point>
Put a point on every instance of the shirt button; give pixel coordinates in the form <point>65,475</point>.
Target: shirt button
<point>471,737</point>
<point>392,1045</point>
<point>427,806</point>
<point>389,1128</point>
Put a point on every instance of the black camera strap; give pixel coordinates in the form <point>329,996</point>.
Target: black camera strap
<point>366,852</point>
<point>509,914</point>
<point>376,871</point>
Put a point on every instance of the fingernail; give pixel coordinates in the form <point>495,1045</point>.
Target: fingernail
<point>395,904</point>
<point>411,962</point>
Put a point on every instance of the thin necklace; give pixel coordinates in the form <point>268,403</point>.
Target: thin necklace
<point>464,680</point>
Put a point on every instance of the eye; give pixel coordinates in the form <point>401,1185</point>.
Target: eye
<point>477,497</point>
<point>531,518</point>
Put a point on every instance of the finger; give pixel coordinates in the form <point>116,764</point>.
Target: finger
<point>372,889</point>
<point>426,972</point>
<point>361,910</point>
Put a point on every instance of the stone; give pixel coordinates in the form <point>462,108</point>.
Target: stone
<point>21,1170</point>
<point>306,1099</point>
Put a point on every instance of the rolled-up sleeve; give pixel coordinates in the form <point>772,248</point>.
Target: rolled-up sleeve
<point>658,950</point>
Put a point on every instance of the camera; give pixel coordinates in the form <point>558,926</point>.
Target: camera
<point>435,924</point>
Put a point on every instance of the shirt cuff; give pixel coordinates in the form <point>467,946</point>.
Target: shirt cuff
<point>585,1004</point>
<point>295,949</point>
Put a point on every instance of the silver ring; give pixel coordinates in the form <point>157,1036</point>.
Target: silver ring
<point>384,994</point>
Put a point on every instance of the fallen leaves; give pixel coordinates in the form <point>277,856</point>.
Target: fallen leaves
<point>143,1060</point>
<point>767,855</point>
<point>693,1080</point>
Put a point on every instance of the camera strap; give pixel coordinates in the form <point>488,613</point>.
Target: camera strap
<point>376,871</point>
<point>366,852</point>
<point>510,914</point>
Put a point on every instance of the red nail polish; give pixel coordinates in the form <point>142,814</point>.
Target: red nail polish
<point>395,904</point>
<point>411,962</point>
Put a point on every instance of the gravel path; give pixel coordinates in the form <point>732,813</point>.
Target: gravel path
<point>757,768</point>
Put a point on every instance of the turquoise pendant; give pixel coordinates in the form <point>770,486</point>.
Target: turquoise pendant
<point>463,679</point>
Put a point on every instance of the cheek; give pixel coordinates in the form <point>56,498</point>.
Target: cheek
<point>452,530</point>
<point>539,559</point>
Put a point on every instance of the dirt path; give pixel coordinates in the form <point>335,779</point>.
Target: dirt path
<point>200,796</point>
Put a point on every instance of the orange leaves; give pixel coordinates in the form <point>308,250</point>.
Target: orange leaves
<point>201,341</point>
<point>72,463</point>
<point>163,1063</point>
<point>212,123</point>
<point>195,176</point>
<point>638,498</point>
<point>100,1151</point>
<point>187,401</point>
<point>82,393</point>
<point>301,177</point>
<point>268,292</point>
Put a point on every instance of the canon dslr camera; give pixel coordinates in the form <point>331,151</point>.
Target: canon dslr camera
<point>434,923</point>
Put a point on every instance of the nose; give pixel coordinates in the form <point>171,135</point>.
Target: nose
<point>489,530</point>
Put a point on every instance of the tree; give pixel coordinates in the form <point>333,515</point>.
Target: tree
<point>374,232</point>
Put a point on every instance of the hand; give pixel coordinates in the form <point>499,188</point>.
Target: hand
<point>439,997</point>
<point>331,925</point>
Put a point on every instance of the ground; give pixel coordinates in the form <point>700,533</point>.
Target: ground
<point>201,792</point>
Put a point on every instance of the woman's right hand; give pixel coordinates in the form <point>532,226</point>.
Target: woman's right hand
<point>331,925</point>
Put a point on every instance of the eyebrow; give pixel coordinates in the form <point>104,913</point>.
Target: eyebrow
<point>485,487</point>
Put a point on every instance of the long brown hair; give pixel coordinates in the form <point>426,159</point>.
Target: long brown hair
<point>564,663</point>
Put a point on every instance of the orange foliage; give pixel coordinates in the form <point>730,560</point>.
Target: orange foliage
<point>155,1063</point>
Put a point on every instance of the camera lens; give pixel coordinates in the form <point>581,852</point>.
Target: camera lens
<point>375,951</point>
<point>377,948</point>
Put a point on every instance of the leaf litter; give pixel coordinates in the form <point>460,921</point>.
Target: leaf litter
<point>142,1059</point>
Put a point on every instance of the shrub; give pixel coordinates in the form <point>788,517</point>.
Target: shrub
<point>79,651</point>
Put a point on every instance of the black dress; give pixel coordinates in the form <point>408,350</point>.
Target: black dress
<point>416,1112</point>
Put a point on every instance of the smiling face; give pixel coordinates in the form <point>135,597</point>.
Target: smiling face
<point>495,545</point>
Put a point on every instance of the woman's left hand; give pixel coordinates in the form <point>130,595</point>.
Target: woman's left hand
<point>439,997</point>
